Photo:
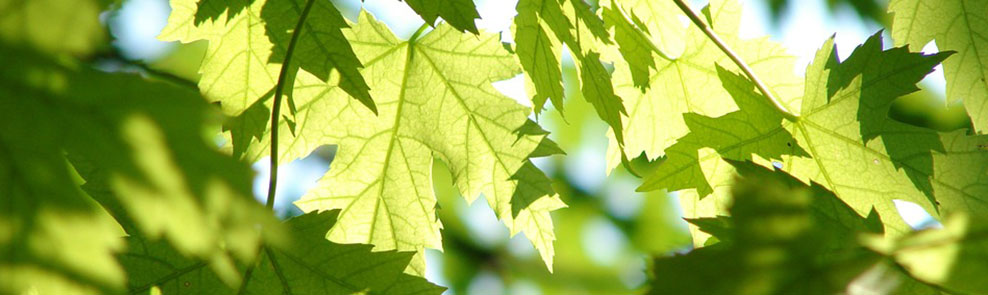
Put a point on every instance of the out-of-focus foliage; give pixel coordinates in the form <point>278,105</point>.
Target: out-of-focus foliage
<point>309,264</point>
<point>951,256</point>
<point>136,147</point>
<point>872,10</point>
<point>54,26</point>
<point>111,182</point>
<point>782,237</point>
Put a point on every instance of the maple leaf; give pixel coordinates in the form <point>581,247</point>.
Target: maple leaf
<point>307,264</point>
<point>851,146</point>
<point>689,83</point>
<point>435,100</point>
<point>135,147</point>
<point>248,47</point>
<point>753,129</point>
<point>955,25</point>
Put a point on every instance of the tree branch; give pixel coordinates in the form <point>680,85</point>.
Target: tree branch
<point>276,108</point>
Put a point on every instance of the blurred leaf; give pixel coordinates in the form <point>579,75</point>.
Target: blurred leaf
<point>54,26</point>
<point>783,237</point>
<point>137,144</point>
<point>308,264</point>
<point>873,10</point>
<point>952,256</point>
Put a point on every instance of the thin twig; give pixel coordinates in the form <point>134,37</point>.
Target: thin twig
<point>737,60</point>
<point>276,108</point>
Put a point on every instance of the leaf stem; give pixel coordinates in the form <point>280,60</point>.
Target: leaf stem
<point>737,60</point>
<point>276,108</point>
<point>418,32</point>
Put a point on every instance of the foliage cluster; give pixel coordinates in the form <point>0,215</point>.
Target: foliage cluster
<point>112,183</point>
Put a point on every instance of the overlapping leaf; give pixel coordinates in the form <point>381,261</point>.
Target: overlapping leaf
<point>435,99</point>
<point>248,44</point>
<point>307,265</point>
<point>755,129</point>
<point>783,237</point>
<point>139,148</point>
<point>633,42</point>
<point>539,54</point>
<point>689,82</point>
<point>457,13</point>
<point>852,147</point>
<point>955,25</point>
<point>659,20</point>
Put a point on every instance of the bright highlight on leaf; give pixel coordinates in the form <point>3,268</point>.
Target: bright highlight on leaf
<point>689,83</point>
<point>435,99</point>
<point>113,183</point>
<point>248,43</point>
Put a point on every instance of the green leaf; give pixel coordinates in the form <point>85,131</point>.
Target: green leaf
<point>755,129</point>
<point>457,13</point>
<point>54,26</point>
<point>634,45</point>
<point>586,16</point>
<point>951,256</point>
<point>307,265</point>
<point>320,47</point>
<point>853,147</point>
<point>689,83</point>
<point>597,90</point>
<point>659,20</point>
<point>539,55</point>
<point>139,149</point>
<point>955,25</point>
<point>435,101</point>
<point>783,237</point>
<point>844,109</point>
<point>248,44</point>
<point>235,70</point>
